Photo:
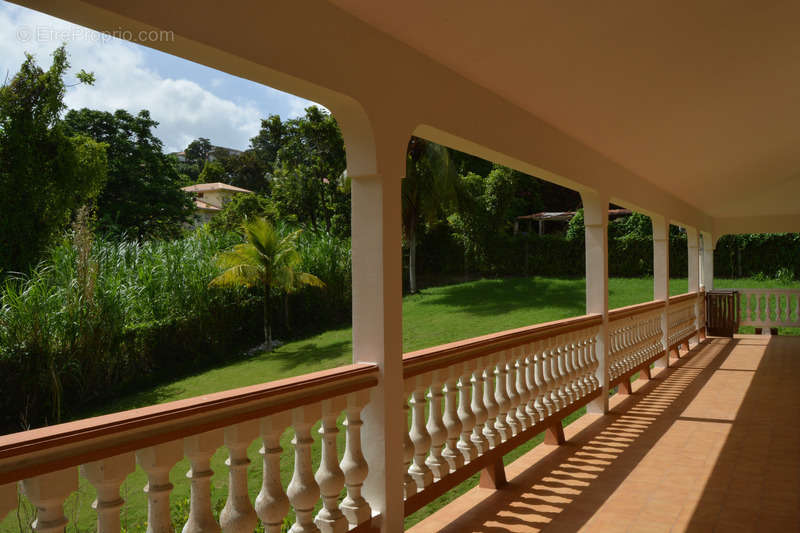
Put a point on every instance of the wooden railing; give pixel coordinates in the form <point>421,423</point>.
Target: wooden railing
<point>769,308</point>
<point>106,449</point>
<point>468,404</point>
<point>474,401</point>
<point>682,318</point>
<point>635,340</point>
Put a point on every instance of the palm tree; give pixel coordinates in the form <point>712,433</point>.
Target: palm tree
<point>428,188</point>
<point>268,260</point>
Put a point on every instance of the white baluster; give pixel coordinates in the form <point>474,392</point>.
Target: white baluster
<point>592,350</point>
<point>452,423</point>
<point>501,395</point>
<point>8,499</point>
<point>157,461</point>
<point>272,504</point>
<point>569,346</point>
<point>409,485</point>
<point>330,477</point>
<point>530,383</point>
<point>479,409</point>
<point>47,493</point>
<point>522,388</point>
<point>199,449</point>
<point>562,388</point>
<point>419,470</point>
<point>514,424</point>
<point>546,386</point>
<point>238,515</point>
<point>303,491</point>
<point>489,431</point>
<point>106,476</point>
<point>435,461</point>
<point>354,506</point>
<point>465,413</point>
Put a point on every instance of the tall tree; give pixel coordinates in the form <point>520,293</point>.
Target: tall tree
<point>142,196</point>
<point>267,260</point>
<point>45,172</point>
<point>429,190</point>
<point>308,174</point>
<point>198,151</point>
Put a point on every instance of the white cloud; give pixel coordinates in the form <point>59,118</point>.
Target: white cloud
<point>184,109</point>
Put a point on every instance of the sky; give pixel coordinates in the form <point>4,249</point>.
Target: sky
<point>188,100</point>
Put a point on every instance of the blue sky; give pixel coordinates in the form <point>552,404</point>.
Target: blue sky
<point>187,99</point>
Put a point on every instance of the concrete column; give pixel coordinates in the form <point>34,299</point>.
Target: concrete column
<point>661,276</point>
<point>694,259</point>
<point>377,331</point>
<point>693,251</point>
<point>707,275</point>
<point>595,217</point>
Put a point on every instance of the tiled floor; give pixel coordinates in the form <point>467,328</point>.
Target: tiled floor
<point>712,444</point>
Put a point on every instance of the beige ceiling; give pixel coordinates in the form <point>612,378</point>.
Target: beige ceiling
<point>698,97</point>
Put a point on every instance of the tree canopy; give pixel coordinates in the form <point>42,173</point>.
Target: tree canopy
<point>47,171</point>
<point>142,196</point>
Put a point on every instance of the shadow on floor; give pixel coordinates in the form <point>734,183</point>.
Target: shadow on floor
<point>563,491</point>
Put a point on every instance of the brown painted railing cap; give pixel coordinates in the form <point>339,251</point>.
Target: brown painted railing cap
<point>622,312</point>
<point>682,297</point>
<point>168,421</point>
<point>445,355</point>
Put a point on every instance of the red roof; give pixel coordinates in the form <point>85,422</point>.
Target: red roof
<point>206,187</point>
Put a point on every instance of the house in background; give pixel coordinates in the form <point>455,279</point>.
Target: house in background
<point>210,198</point>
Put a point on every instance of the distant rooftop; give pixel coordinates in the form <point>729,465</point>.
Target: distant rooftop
<point>218,186</point>
<point>567,215</point>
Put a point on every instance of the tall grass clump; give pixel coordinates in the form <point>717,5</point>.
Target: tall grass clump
<point>101,316</point>
<point>96,315</point>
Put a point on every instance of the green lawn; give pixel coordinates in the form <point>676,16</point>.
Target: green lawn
<point>431,317</point>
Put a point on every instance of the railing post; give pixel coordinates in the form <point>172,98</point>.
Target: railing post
<point>595,216</point>
<point>693,251</point>
<point>707,278</point>
<point>661,279</point>
<point>377,322</point>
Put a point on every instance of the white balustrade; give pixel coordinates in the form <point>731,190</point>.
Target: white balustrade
<point>354,507</point>
<point>330,477</point>
<point>107,476</point>
<point>490,403</point>
<point>409,485</point>
<point>681,321</point>
<point>465,413</point>
<point>48,493</point>
<point>436,429</point>
<point>157,461</point>
<point>501,396</point>
<point>303,491</point>
<point>272,504</point>
<point>769,308</point>
<point>199,449</point>
<point>296,405</point>
<point>478,438</point>
<point>452,423</point>
<point>633,339</point>
<point>419,469</point>
<point>239,515</point>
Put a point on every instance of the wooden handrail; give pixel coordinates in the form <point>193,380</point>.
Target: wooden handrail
<point>682,297</point>
<point>623,312</point>
<point>420,361</point>
<point>29,453</point>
